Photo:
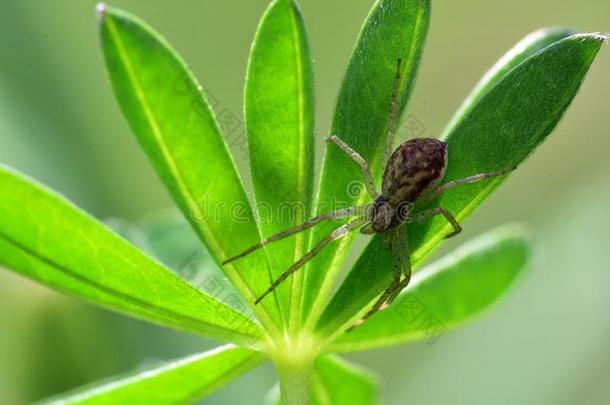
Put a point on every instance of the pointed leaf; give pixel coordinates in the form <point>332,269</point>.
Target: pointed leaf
<point>394,29</point>
<point>46,238</point>
<point>501,130</point>
<point>338,382</point>
<point>176,127</point>
<point>166,236</point>
<point>279,108</point>
<point>169,238</point>
<point>446,293</point>
<point>181,381</point>
<point>528,46</point>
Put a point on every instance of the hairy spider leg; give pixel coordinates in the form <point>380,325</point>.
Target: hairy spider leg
<point>402,264</point>
<point>379,303</point>
<point>364,166</point>
<point>427,214</point>
<point>393,114</point>
<point>333,236</point>
<point>338,214</point>
<point>393,120</point>
<point>440,190</point>
<point>402,256</point>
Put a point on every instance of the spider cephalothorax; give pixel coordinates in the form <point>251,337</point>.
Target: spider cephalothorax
<point>412,177</point>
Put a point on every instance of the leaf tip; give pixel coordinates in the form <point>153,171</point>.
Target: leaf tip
<point>101,9</point>
<point>602,36</point>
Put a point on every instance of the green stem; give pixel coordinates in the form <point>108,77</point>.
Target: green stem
<point>294,374</point>
<point>294,364</point>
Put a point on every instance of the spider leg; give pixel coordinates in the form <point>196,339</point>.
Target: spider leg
<point>402,263</point>
<point>400,250</point>
<point>333,236</point>
<point>367,229</point>
<point>364,166</point>
<point>338,214</point>
<point>437,192</point>
<point>427,214</point>
<point>393,121</point>
<point>403,284</point>
<point>378,306</point>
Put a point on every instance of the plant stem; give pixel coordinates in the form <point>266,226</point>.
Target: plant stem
<point>295,382</point>
<point>294,364</point>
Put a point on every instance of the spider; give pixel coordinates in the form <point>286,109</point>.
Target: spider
<point>411,178</point>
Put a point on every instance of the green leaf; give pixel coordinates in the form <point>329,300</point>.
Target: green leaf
<point>181,381</point>
<point>46,238</point>
<point>446,293</point>
<point>169,238</point>
<point>501,129</point>
<point>394,29</point>
<point>528,46</point>
<point>279,109</point>
<point>176,127</point>
<point>338,382</point>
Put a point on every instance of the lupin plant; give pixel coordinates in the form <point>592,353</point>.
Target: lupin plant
<point>312,315</point>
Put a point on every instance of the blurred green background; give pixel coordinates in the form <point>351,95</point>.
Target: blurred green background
<point>546,343</point>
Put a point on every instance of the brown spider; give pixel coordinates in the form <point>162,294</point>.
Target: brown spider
<point>412,177</point>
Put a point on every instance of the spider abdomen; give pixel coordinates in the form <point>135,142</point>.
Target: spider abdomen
<point>415,167</point>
